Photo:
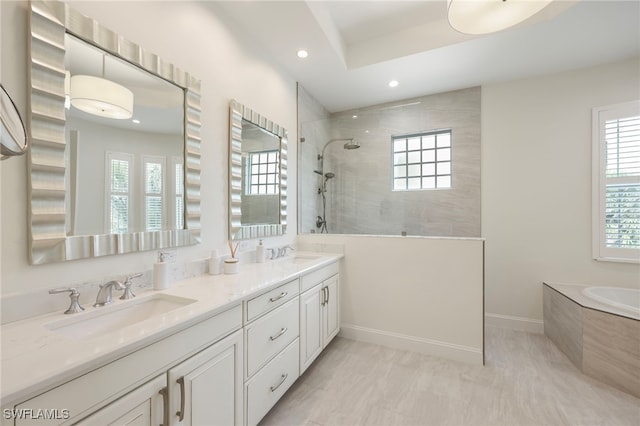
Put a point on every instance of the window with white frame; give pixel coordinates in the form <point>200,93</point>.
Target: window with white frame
<point>178,168</point>
<point>422,161</point>
<point>264,171</point>
<point>119,176</point>
<point>616,182</point>
<point>154,179</point>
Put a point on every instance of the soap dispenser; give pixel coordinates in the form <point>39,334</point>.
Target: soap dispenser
<point>161,273</point>
<point>260,255</point>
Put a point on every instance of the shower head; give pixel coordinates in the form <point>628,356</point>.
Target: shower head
<point>329,175</point>
<point>351,144</point>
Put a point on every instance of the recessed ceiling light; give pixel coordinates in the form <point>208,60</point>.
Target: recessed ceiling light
<point>393,83</point>
<point>302,53</point>
<point>354,117</point>
<point>136,121</point>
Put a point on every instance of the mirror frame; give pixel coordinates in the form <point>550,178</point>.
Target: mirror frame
<point>49,21</point>
<point>237,231</point>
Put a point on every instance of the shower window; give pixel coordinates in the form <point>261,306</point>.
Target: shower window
<point>422,161</point>
<point>263,172</point>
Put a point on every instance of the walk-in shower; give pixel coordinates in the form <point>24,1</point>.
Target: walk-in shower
<point>350,144</point>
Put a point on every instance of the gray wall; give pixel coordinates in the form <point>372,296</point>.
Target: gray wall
<point>360,199</point>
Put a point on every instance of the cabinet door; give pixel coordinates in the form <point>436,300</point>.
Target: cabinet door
<point>207,388</point>
<point>310,326</point>
<point>141,407</point>
<point>331,310</point>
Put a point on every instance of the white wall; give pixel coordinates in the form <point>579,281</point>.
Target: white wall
<point>536,186</point>
<point>413,293</point>
<point>195,37</point>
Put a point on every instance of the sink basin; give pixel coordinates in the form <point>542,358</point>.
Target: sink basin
<point>301,258</point>
<point>112,318</point>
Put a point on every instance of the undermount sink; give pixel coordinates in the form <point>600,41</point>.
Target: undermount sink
<point>301,258</point>
<point>111,318</point>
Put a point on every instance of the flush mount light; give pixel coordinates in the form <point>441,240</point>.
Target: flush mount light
<point>102,97</point>
<point>487,16</point>
<point>393,83</point>
<point>302,53</point>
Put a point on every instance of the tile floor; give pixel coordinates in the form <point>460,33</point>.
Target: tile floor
<point>526,381</point>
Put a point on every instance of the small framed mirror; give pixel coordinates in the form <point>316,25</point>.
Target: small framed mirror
<point>257,175</point>
<point>13,135</point>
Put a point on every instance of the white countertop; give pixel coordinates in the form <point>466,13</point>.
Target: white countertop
<point>35,358</point>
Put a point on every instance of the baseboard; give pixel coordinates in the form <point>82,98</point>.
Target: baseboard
<point>514,323</point>
<point>411,343</point>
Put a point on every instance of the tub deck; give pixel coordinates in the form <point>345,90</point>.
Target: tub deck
<point>601,340</point>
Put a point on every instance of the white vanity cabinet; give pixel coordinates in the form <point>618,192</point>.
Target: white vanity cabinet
<point>224,368</point>
<point>129,388</point>
<point>319,313</point>
<point>207,388</point>
<point>143,406</point>
<point>272,349</point>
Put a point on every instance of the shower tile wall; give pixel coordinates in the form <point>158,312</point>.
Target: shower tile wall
<point>360,199</point>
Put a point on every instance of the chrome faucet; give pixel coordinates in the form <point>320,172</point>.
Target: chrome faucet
<point>282,251</point>
<point>74,295</point>
<point>104,295</point>
<point>128,294</point>
<point>277,253</point>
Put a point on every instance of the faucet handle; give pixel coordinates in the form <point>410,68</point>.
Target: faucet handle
<point>74,295</point>
<point>273,253</point>
<point>128,294</point>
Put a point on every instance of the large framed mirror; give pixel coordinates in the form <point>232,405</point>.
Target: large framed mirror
<point>114,164</point>
<point>257,175</point>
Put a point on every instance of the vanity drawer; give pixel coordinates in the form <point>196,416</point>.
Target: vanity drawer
<point>268,386</point>
<point>316,277</point>
<point>268,335</point>
<point>272,299</point>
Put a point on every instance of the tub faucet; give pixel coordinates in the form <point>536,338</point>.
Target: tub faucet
<point>104,295</point>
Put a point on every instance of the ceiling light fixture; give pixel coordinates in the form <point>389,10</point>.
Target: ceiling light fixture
<point>302,53</point>
<point>101,97</point>
<point>487,16</point>
<point>393,83</point>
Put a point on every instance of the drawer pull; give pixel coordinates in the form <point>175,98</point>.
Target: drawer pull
<point>282,379</point>
<point>275,299</point>
<point>282,331</point>
<point>165,404</point>
<point>180,413</point>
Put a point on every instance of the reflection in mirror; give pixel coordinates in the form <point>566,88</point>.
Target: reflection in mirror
<point>114,185</point>
<point>258,175</point>
<point>104,186</point>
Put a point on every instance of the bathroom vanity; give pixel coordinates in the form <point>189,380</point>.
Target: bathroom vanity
<point>209,350</point>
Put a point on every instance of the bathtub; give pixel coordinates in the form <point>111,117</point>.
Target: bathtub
<point>623,298</point>
<point>598,329</point>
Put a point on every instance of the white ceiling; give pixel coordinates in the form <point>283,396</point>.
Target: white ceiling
<point>357,47</point>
